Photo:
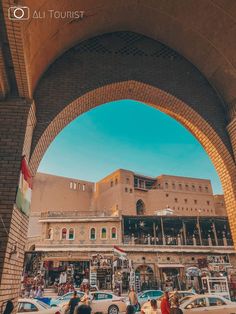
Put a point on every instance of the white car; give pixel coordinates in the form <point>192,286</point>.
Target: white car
<point>207,303</point>
<point>103,302</point>
<point>33,305</point>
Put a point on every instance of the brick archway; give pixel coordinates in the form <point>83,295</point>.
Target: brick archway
<point>213,144</point>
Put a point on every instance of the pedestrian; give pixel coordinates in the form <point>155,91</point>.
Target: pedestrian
<point>175,307</point>
<point>130,309</point>
<point>9,307</point>
<point>83,309</point>
<point>86,297</point>
<point>133,299</point>
<point>74,301</point>
<point>165,303</point>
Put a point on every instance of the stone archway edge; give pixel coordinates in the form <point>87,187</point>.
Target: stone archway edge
<point>165,102</point>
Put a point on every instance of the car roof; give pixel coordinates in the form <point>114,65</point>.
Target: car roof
<point>208,295</point>
<point>151,290</point>
<point>100,291</point>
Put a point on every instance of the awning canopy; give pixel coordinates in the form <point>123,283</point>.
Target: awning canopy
<point>170,266</point>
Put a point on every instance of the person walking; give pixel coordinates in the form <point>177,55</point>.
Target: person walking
<point>9,307</point>
<point>133,299</point>
<point>83,309</point>
<point>175,307</point>
<point>86,297</point>
<point>165,303</point>
<point>74,301</point>
<point>130,309</point>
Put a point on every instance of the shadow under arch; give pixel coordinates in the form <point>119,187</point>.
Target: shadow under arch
<point>212,143</point>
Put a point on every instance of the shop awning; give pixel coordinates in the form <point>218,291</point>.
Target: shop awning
<point>170,266</point>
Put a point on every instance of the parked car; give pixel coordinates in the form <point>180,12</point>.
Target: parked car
<point>181,294</point>
<point>66,297</point>
<point>34,305</point>
<point>207,303</point>
<point>104,302</point>
<point>148,295</point>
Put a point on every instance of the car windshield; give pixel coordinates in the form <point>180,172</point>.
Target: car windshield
<point>44,305</point>
<point>185,299</point>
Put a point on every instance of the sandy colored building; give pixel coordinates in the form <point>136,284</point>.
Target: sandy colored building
<point>165,224</point>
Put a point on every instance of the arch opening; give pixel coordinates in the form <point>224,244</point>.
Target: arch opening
<point>212,143</point>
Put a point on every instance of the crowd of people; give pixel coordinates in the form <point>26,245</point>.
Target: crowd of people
<point>63,288</point>
<point>167,306</point>
<point>32,287</point>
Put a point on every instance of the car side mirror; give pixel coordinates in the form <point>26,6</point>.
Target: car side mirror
<point>189,306</point>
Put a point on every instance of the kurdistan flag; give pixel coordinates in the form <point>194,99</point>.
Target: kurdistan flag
<point>23,197</point>
<point>119,252</point>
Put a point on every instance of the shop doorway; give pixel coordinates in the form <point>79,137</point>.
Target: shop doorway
<point>146,277</point>
<point>170,278</point>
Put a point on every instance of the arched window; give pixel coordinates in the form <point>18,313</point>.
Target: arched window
<point>64,234</point>
<point>92,234</point>
<point>104,233</point>
<point>113,233</point>
<point>140,208</point>
<point>71,234</point>
<point>50,234</point>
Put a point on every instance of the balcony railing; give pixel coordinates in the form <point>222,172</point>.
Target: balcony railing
<point>176,242</point>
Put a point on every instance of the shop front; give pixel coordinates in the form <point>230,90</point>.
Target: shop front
<point>101,271</point>
<point>145,277</point>
<point>61,272</point>
<point>171,276</point>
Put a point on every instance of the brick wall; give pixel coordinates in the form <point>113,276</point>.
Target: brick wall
<point>13,224</point>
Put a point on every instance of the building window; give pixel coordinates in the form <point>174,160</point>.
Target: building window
<point>176,200</point>
<point>200,188</point>
<point>73,185</point>
<point>111,183</point>
<point>166,185</point>
<point>116,181</point>
<point>186,186</point>
<point>208,202</point>
<point>126,189</point>
<point>167,195</point>
<point>206,189</point>
<point>195,201</point>
<point>140,208</point>
<point>127,180</point>
<point>142,184</point>
<point>50,234</point>
<point>64,234</point>
<point>180,186</point>
<point>130,191</point>
<point>185,200</point>
<point>193,187</point>
<point>104,233</point>
<point>71,234</point>
<point>113,233</point>
<point>92,234</point>
<point>173,186</point>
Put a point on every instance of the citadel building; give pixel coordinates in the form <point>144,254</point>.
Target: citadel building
<point>164,224</point>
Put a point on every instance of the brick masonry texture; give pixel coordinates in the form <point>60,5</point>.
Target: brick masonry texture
<point>13,119</point>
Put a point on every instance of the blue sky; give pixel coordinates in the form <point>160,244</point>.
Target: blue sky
<point>129,135</point>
